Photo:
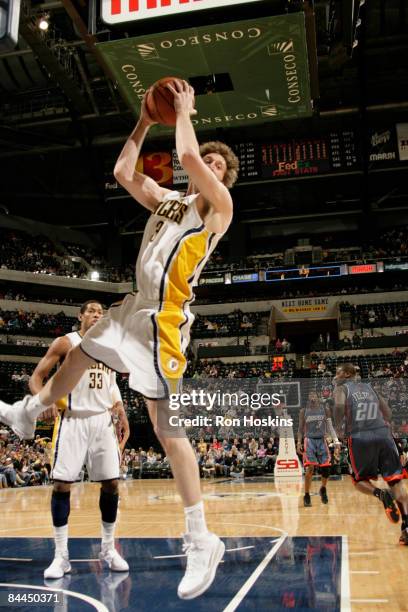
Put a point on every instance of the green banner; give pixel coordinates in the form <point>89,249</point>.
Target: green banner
<point>262,65</point>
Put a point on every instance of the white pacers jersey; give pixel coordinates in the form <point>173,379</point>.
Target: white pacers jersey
<point>174,250</point>
<point>96,391</point>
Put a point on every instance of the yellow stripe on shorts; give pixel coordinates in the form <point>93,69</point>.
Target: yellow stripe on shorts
<point>171,316</point>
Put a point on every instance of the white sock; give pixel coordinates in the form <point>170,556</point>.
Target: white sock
<point>34,407</point>
<point>108,535</point>
<point>195,519</point>
<point>61,541</point>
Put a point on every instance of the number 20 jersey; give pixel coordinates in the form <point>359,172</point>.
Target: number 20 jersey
<point>362,408</point>
<point>96,391</point>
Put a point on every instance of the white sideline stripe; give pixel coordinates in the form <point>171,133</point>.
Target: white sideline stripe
<point>345,576</point>
<point>363,572</point>
<point>180,556</point>
<point>170,556</point>
<point>234,603</point>
<point>14,559</point>
<point>358,601</point>
<point>98,605</point>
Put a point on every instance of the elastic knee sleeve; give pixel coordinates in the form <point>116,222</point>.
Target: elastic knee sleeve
<point>325,471</point>
<point>60,507</point>
<point>108,504</point>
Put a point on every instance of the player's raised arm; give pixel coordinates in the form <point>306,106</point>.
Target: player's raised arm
<point>207,182</point>
<point>141,187</point>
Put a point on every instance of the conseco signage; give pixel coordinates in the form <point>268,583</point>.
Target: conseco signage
<point>119,11</point>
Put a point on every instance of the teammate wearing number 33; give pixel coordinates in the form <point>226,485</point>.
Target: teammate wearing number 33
<point>364,417</point>
<point>147,334</point>
<point>84,433</point>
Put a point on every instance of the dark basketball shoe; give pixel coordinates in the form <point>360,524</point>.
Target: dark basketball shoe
<point>307,502</point>
<point>404,537</point>
<point>323,495</point>
<point>390,506</point>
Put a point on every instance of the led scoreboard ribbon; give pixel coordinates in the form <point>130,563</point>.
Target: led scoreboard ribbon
<point>336,152</point>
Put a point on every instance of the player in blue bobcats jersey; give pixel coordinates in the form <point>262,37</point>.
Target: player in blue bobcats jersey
<point>314,424</point>
<point>364,417</point>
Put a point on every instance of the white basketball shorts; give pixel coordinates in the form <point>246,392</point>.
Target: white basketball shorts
<point>145,339</point>
<point>87,440</point>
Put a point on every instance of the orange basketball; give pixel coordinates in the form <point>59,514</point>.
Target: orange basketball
<point>160,102</point>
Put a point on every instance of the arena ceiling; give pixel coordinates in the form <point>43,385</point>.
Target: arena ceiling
<point>63,119</point>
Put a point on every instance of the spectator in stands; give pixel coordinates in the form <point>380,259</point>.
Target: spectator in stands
<point>208,467</point>
<point>216,444</point>
<point>285,346</point>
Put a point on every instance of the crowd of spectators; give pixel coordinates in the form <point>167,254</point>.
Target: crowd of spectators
<point>235,323</point>
<point>22,251</point>
<point>376,315</point>
<point>38,254</point>
<point>337,248</point>
<point>35,323</point>
<point>221,458</point>
<point>24,464</point>
<point>16,296</point>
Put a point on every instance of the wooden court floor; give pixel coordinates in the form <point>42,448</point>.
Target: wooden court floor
<point>377,565</point>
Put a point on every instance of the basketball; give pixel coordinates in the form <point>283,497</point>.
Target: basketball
<point>159,102</point>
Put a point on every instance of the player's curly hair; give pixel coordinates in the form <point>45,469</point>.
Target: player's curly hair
<point>215,146</point>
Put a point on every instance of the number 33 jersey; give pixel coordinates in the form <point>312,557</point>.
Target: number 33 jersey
<point>96,392</point>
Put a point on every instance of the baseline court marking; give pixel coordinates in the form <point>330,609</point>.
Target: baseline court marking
<point>345,576</point>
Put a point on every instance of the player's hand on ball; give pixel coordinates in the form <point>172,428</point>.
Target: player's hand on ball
<point>144,113</point>
<point>183,97</point>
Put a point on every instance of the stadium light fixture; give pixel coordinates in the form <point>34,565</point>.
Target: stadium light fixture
<point>44,22</point>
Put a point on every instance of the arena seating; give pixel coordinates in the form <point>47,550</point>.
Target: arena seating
<point>35,323</point>
<point>376,315</point>
<point>233,324</point>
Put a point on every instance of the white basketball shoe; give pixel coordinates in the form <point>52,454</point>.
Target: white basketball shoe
<point>115,562</point>
<point>58,568</point>
<point>204,552</point>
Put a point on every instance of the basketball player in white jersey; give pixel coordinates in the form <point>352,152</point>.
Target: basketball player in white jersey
<point>84,433</point>
<point>147,334</point>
